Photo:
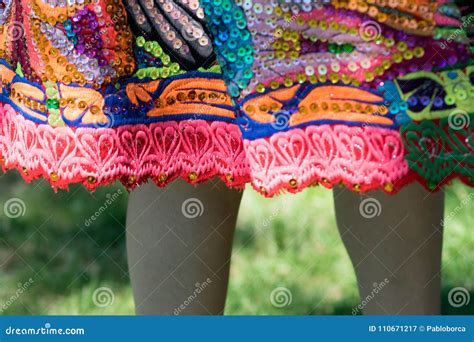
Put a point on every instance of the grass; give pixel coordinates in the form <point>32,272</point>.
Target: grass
<point>290,241</point>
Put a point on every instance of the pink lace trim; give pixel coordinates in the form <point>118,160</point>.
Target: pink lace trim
<point>195,150</point>
<point>361,158</point>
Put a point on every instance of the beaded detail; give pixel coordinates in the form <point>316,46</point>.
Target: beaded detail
<point>10,31</point>
<point>233,41</point>
<point>370,67</point>
<point>176,27</point>
<point>300,44</point>
<point>439,94</point>
<point>192,95</point>
<point>95,99</point>
<point>369,94</point>
<point>85,43</point>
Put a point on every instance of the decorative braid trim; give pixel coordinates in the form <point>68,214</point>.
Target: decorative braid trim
<point>195,150</point>
<point>362,158</point>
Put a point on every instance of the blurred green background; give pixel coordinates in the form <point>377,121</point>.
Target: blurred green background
<point>290,241</point>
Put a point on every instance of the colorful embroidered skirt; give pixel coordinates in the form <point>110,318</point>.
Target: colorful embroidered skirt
<point>372,94</point>
<point>368,93</point>
<point>101,95</point>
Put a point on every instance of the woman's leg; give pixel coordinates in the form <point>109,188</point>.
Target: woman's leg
<point>179,242</point>
<point>394,243</point>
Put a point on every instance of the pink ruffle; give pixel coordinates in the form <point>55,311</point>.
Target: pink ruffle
<point>194,149</point>
<point>361,158</point>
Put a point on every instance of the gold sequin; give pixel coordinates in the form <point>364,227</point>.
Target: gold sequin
<point>388,187</point>
<point>193,176</point>
<point>54,176</point>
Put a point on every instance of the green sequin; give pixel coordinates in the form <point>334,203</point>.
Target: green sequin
<point>52,103</point>
<point>233,42</point>
<point>340,48</point>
